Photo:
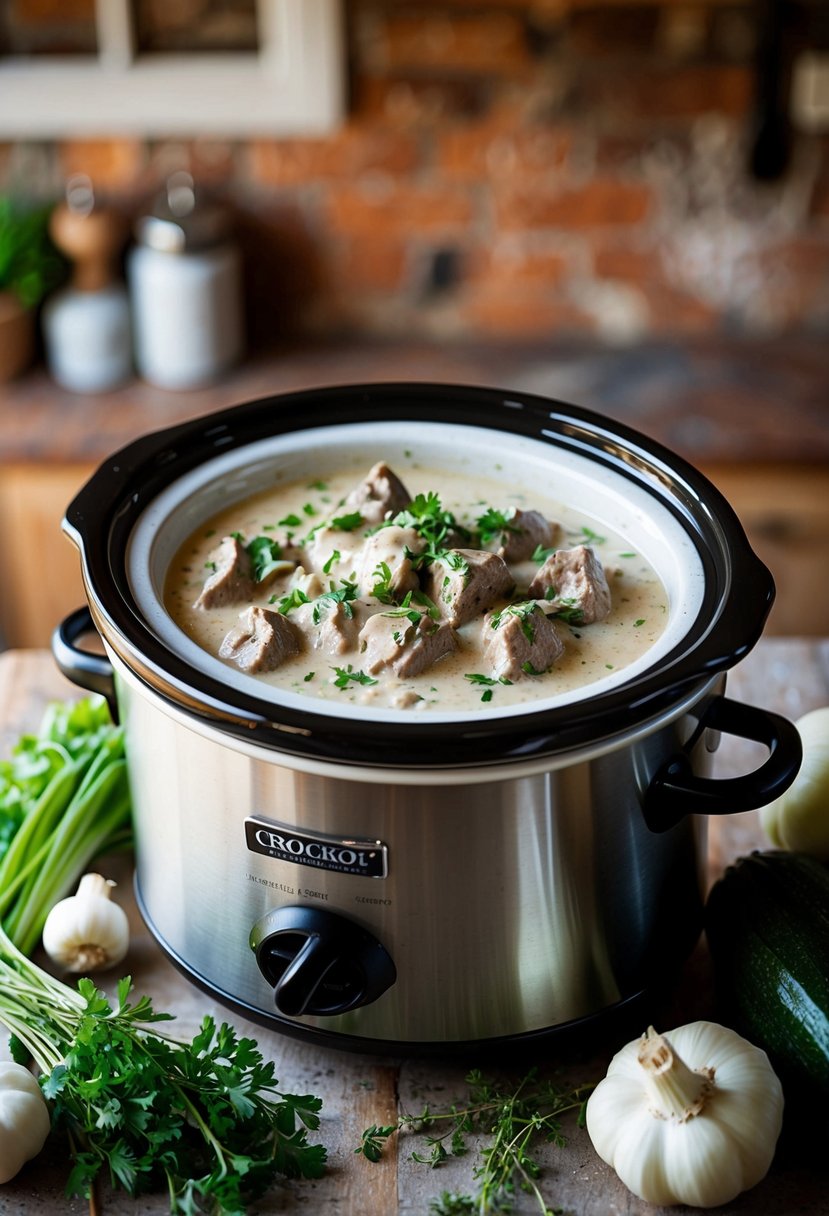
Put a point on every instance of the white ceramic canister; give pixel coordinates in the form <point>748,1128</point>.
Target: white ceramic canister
<point>86,325</point>
<point>185,284</point>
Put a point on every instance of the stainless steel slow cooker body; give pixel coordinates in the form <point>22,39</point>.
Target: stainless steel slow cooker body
<point>383,878</point>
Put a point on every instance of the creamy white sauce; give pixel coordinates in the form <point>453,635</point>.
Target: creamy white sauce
<point>639,600</point>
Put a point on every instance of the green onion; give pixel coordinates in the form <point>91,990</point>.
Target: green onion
<point>78,810</point>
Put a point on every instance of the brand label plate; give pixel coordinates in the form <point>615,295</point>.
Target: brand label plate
<point>345,855</point>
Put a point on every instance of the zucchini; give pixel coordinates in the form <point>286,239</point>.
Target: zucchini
<point>767,924</point>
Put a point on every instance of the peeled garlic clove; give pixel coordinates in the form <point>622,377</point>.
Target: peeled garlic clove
<point>87,931</point>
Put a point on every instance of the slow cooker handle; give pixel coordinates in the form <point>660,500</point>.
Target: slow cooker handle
<point>83,667</point>
<point>675,791</point>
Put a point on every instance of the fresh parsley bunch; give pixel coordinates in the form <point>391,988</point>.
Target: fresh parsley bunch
<point>203,1119</point>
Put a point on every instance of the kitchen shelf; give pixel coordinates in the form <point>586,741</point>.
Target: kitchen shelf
<point>752,415</point>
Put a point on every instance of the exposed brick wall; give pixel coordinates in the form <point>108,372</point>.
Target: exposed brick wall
<point>516,167</point>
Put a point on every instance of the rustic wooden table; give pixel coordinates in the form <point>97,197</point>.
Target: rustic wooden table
<point>787,675</point>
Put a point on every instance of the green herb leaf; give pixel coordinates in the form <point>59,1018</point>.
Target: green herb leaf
<point>588,537</point>
<point>265,555</point>
<point>524,611</point>
<point>373,1141</point>
<point>346,523</point>
<point>540,554</point>
<point>568,611</point>
<point>202,1119</point>
<point>287,603</point>
<point>506,1120</point>
<point>426,515</point>
<point>346,675</point>
<point>494,523</point>
<point>381,590</point>
<point>343,595</point>
<point>485,682</point>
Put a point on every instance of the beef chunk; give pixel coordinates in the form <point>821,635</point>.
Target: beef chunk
<point>330,628</point>
<point>261,641</point>
<point>520,640</point>
<point>573,580</point>
<point>232,579</point>
<point>406,647</point>
<point>387,547</point>
<point>526,530</point>
<point>466,582</point>
<point>381,494</point>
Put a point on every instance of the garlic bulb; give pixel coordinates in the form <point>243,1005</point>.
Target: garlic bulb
<point>695,1128</point>
<point>24,1119</point>
<point>87,931</point>
<point>798,820</point>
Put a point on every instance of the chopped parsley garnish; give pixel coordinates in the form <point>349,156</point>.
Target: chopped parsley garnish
<point>540,554</point>
<point>641,621</point>
<point>627,555</point>
<point>346,523</point>
<point>308,677</point>
<point>529,670</point>
<point>335,557</point>
<point>410,614</point>
<point>318,485</point>
<point>265,555</point>
<point>295,599</point>
<point>382,587</point>
<point>454,560</point>
<point>290,521</point>
<point>426,515</point>
<point>488,683</point>
<point>569,612</point>
<point>405,607</point>
<point>588,537</point>
<point>524,611</point>
<point>309,508</point>
<point>494,523</point>
<point>335,595</point>
<point>211,566</point>
<point>420,597</point>
<point>346,675</point>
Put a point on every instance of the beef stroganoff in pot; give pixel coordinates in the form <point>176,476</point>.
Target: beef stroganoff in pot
<point>411,587</point>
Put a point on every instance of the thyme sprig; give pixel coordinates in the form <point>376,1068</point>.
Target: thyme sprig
<point>514,1118</point>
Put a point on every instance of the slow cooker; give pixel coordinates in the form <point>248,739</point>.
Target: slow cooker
<point>395,880</point>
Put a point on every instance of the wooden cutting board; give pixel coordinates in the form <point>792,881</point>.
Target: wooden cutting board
<point>786,675</point>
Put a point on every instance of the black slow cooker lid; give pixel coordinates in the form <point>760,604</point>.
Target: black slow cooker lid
<point>738,589</point>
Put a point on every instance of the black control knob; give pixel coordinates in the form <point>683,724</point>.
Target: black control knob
<point>319,962</point>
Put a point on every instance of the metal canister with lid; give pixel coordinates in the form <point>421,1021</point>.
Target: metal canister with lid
<point>185,283</point>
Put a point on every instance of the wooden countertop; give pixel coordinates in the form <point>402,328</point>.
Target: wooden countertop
<point>711,400</point>
<point>787,675</point>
